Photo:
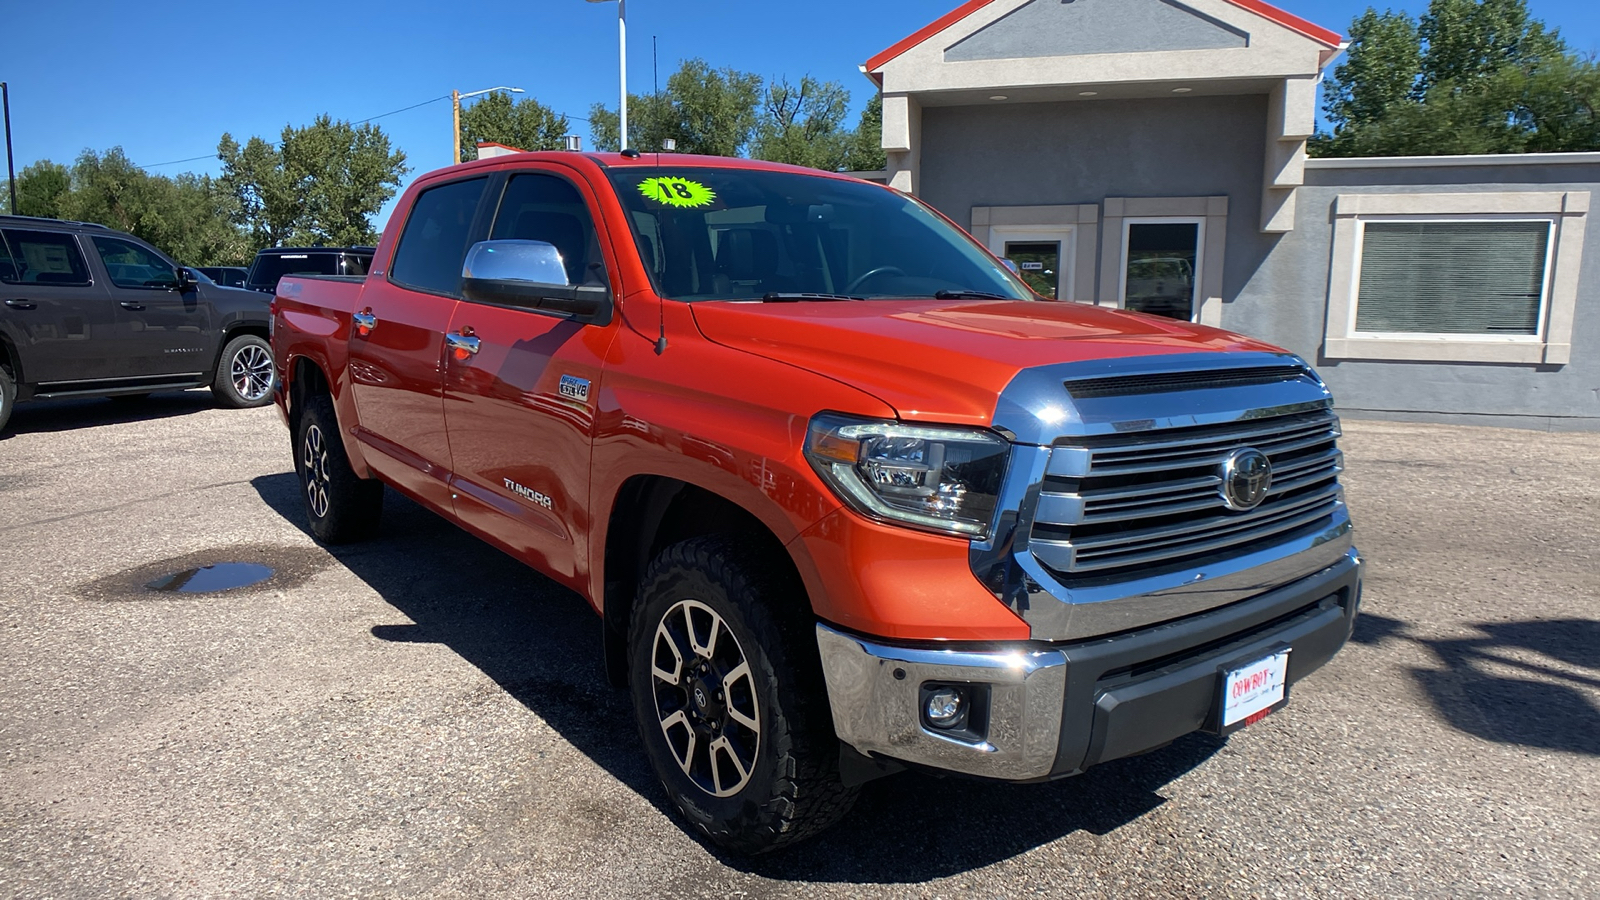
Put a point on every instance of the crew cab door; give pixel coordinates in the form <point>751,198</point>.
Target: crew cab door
<point>169,332</point>
<point>65,327</point>
<point>521,387</point>
<point>397,341</point>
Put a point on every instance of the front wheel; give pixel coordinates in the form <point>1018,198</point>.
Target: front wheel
<point>244,373</point>
<point>728,695</point>
<point>8,396</point>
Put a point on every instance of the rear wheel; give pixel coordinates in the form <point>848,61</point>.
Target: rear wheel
<point>244,373</point>
<point>728,696</point>
<point>340,505</point>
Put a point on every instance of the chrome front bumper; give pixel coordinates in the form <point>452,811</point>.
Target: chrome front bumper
<point>875,691</point>
<point>1053,709</point>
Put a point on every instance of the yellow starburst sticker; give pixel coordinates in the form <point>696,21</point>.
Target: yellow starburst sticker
<point>675,191</point>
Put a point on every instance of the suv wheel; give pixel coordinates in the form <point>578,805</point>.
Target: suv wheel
<point>244,373</point>
<point>8,396</point>
<point>728,696</point>
<point>341,505</point>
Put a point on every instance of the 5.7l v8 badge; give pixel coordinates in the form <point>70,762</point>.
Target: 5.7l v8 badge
<point>575,388</point>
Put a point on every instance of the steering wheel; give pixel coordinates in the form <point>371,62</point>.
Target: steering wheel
<point>868,275</point>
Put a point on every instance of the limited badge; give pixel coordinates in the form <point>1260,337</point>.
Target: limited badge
<point>675,191</point>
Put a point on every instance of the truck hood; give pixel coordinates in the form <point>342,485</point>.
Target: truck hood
<point>942,360</point>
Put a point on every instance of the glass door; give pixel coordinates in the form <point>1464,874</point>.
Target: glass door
<point>1161,266</point>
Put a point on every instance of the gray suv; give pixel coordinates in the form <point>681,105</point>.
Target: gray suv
<point>90,312</point>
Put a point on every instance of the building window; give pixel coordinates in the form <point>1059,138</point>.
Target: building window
<point>1487,277</point>
<point>1161,265</point>
<point>1447,277</point>
<point>1053,246</point>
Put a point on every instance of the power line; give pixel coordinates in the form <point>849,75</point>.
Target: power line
<point>173,162</point>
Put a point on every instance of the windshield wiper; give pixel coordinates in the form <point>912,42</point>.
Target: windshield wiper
<point>968,295</point>
<point>795,296</point>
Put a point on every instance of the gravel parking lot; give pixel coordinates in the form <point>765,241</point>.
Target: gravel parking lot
<point>421,715</point>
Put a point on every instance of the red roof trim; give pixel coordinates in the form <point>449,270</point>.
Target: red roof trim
<point>1266,10</point>
<point>1291,21</point>
<point>925,32</point>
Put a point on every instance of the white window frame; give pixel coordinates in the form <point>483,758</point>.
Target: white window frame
<point>1196,297</point>
<point>1208,303</point>
<point>1081,219</point>
<point>1565,212</point>
<point>1064,235</point>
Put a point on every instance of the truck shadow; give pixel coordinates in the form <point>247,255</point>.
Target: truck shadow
<point>1496,686</point>
<point>40,416</point>
<point>541,644</point>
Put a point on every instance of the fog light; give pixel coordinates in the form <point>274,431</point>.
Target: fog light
<point>946,707</point>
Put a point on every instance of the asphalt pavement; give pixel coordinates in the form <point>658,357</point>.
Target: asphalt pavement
<point>422,716</point>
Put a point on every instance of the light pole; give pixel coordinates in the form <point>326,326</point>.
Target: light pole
<point>622,63</point>
<point>455,104</point>
<point>11,168</point>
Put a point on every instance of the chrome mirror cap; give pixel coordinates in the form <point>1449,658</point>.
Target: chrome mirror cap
<point>537,262</point>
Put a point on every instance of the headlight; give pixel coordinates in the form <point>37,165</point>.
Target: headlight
<point>938,479</point>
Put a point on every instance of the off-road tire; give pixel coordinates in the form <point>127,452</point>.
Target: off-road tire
<point>793,789</point>
<point>244,373</point>
<point>8,397</point>
<point>341,506</point>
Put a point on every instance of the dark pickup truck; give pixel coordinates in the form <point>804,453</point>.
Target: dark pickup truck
<point>90,312</point>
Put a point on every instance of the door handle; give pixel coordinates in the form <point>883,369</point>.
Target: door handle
<point>22,304</point>
<point>461,345</point>
<point>131,304</point>
<point>365,321</point>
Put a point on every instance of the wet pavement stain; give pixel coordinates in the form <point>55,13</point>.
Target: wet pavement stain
<point>220,571</point>
<point>211,579</point>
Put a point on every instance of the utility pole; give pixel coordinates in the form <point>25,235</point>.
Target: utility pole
<point>11,166</point>
<point>455,129</point>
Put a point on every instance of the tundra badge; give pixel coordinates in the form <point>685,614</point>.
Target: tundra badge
<point>528,493</point>
<point>576,388</point>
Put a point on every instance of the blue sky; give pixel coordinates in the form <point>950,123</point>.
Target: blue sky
<point>166,81</point>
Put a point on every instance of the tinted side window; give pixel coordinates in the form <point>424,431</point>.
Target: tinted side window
<point>547,208</point>
<point>434,244</point>
<point>131,266</point>
<point>43,257</point>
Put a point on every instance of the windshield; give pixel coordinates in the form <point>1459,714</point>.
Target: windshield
<point>269,267</point>
<point>737,234</point>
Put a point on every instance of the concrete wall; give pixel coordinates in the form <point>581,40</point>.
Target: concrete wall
<point>1285,301</point>
<point>1049,154</point>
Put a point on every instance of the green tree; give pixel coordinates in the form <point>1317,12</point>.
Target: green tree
<point>802,124</point>
<point>1471,76</point>
<point>186,217</point>
<point>865,150</point>
<point>41,189</point>
<point>705,110</point>
<point>526,125</point>
<point>320,184</point>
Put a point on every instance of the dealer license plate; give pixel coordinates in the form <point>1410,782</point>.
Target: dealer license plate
<point>1252,690</point>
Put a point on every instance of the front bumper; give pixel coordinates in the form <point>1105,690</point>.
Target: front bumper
<point>1046,710</point>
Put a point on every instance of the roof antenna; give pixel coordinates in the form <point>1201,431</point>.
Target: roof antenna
<point>655,100</point>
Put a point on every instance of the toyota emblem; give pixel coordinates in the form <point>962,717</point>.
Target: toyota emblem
<point>1246,478</point>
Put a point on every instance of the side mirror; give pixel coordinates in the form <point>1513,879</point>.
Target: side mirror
<point>1012,266</point>
<point>186,282</point>
<point>531,275</point>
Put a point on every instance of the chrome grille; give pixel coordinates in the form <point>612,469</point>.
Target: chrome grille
<point>1120,504</point>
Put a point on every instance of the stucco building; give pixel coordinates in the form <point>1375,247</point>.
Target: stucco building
<point>1151,154</point>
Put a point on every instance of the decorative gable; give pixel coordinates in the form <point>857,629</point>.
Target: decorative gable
<point>1042,28</point>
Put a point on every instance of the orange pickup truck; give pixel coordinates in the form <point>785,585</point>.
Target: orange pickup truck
<point>847,496</point>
